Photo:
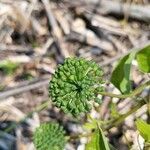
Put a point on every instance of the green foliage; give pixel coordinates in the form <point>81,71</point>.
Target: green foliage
<point>143,59</point>
<point>2,87</point>
<point>8,67</point>
<point>121,74</point>
<point>114,110</point>
<point>49,136</point>
<point>98,141</point>
<point>91,124</point>
<point>27,76</point>
<point>74,84</point>
<point>144,129</point>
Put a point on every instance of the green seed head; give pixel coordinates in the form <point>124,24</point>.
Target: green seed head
<point>74,84</point>
<point>49,136</point>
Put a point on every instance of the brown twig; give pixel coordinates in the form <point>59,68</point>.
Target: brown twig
<point>24,88</point>
<point>56,32</point>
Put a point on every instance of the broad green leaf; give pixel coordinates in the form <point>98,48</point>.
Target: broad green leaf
<point>98,141</point>
<point>144,129</point>
<point>143,59</point>
<point>121,75</point>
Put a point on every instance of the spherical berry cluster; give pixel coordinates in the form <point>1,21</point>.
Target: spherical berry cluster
<point>49,136</point>
<point>74,84</point>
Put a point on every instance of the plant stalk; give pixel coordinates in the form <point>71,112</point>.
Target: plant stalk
<point>120,119</point>
<point>132,94</point>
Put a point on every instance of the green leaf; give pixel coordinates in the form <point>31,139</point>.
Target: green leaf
<point>143,59</point>
<point>8,67</point>
<point>121,75</point>
<point>92,124</point>
<point>114,110</point>
<point>144,129</point>
<point>89,125</point>
<point>98,141</point>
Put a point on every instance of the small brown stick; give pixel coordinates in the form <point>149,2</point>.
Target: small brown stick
<point>56,32</point>
<point>138,12</point>
<point>24,88</point>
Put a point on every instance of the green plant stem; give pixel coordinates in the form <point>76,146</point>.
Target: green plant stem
<point>77,136</point>
<point>114,122</point>
<point>37,109</point>
<point>120,119</point>
<point>132,94</point>
<point>148,106</point>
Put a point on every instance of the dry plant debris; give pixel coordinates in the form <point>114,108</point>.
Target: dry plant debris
<point>37,35</point>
